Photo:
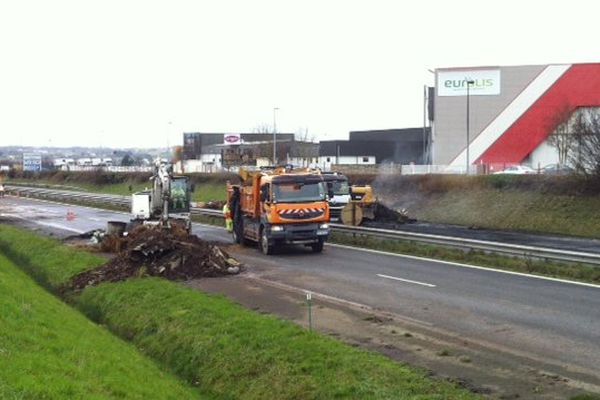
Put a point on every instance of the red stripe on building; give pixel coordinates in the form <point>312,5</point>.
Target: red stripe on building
<point>579,86</point>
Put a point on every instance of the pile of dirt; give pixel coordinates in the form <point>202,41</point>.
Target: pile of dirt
<point>171,254</point>
<point>385,214</point>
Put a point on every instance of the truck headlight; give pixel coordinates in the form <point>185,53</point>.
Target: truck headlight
<point>276,228</point>
<point>324,226</point>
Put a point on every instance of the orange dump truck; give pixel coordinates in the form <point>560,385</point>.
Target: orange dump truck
<point>277,206</point>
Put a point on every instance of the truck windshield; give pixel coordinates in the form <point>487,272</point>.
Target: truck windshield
<point>340,188</point>
<point>179,201</point>
<point>298,192</point>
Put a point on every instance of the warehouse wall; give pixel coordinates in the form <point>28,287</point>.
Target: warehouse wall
<point>449,131</point>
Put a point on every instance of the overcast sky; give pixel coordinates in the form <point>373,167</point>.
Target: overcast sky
<point>139,73</point>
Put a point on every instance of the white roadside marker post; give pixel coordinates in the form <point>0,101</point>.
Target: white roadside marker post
<point>309,302</point>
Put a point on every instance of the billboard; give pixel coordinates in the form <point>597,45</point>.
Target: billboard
<point>454,83</point>
<point>32,162</point>
<point>232,138</point>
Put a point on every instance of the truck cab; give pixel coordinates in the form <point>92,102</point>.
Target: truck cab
<point>280,206</point>
<point>338,193</point>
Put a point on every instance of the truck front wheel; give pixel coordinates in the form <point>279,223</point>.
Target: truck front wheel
<point>265,247</point>
<point>318,247</point>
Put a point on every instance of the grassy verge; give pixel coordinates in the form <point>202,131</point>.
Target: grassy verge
<point>516,210</point>
<point>230,352</point>
<point>240,354</point>
<point>578,272</point>
<point>50,351</point>
<point>45,259</point>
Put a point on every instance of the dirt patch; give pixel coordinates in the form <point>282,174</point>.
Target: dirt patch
<point>170,254</point>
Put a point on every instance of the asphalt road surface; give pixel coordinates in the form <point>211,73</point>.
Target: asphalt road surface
<point>554,321</point>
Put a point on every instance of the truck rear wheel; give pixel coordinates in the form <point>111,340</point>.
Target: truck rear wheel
<point>265,247</point>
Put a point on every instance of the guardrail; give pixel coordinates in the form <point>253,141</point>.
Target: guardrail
<point>448,241</point>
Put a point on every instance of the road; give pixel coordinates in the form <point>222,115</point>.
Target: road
<point>543,319</point>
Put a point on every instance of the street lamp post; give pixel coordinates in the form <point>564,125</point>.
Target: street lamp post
<point>275,135</point>
<point>469,83</point>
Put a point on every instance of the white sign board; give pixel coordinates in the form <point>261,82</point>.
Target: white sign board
<point>454,83</point>
<point>232,138</point>
<point>32,162</point>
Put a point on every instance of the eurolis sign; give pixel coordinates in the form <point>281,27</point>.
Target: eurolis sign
<point>454,83</point>
<point>232,138</point>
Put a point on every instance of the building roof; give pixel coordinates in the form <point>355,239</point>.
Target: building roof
<point>356,148</point>
<point>391,135</point>
<point>400,146</point>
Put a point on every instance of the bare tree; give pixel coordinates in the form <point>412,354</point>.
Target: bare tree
<point>561,138</point>
<point>585,129</point>
<point>305,147</point>
<point>302,135</point>
<point>265,150</point>
<point>263,128</point>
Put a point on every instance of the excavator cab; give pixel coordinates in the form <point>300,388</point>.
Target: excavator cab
<point>179,199</point>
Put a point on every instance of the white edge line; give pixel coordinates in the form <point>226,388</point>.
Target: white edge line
<point>405,280</point>
<point>501,271</point>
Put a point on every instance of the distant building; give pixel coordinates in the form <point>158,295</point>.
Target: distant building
<point>210,152</point>
<point>63,162</point>
<point>84,162</point>
<point>510,112</point>
<point>397,146</point>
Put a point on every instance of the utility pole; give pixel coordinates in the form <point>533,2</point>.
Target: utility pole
<point>275,135</point>
<point>469,83</point>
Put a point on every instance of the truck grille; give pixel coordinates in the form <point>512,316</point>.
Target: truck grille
<point>301,213</point>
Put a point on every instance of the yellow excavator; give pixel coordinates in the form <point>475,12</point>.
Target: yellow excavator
<point>364,205</point>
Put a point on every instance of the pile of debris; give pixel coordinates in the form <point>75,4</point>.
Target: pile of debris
<point>150,251</point>
<point>386,214</point>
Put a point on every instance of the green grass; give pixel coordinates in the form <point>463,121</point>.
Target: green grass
<point>225,350</point>
<point>587,396</point>
<point>578,272</point>
<point>50,351</point>
<point>210,341</point>
<point>515,210</point>
<point>44,258</point>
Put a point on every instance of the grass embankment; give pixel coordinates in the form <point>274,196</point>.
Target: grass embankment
<point>49,263</point>
<point>547,204</point>
<point>51,351</point>
<point>228,351</point>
